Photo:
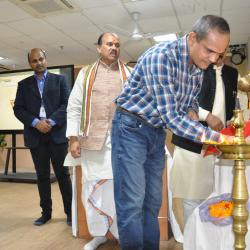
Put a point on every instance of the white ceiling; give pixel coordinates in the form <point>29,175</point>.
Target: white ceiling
<point>69,38</point>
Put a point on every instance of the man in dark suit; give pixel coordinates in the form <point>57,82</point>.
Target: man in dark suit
<point>40,104</point>
<point>192,174</point>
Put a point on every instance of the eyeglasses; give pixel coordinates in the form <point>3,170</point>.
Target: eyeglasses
<point>110,44</point>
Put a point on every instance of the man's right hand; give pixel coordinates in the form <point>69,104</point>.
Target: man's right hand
<point>43,126</point>
<point>214,122</point>
<point>74,147</point>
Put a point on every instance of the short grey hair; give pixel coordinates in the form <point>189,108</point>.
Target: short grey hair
<point>210,22</point>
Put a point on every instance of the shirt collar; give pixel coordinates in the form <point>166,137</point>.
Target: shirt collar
<point>44,76</point>
<point>111,66</point>
<point>219,68</point>
<point>184,45</point>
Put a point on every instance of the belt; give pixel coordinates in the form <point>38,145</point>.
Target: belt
<point>138,117</point>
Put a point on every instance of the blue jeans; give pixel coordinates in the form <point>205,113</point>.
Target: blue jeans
<point>138,157</point>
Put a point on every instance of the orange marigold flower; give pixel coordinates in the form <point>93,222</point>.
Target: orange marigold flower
<point>221,209</point>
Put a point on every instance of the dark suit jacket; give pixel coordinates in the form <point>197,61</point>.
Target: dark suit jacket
<point>28,103</point>
<point>206,100</point>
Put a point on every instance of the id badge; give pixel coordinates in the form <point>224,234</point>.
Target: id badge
<point>42,113</point>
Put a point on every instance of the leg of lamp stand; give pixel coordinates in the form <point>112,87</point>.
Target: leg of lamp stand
<point>240,198</point>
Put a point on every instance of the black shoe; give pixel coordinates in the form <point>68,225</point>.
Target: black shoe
<point>42,220</point>
<point>69,220</point>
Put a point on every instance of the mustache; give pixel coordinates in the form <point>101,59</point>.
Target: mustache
<point>113,51</point>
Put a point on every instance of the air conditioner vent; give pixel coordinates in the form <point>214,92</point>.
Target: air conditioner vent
<point>41,8</point>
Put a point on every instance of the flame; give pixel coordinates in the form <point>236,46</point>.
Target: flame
<point>222,139</point>
<point>226,139</point>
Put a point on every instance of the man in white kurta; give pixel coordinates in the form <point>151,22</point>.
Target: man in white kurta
<point>199,235</point>
<point>192,175</point>
<point>89,113</point>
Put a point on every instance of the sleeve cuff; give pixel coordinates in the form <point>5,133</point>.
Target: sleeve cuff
<point>52,122</point>
<point>73,129</point>
<point>34,122</point>
<point>203,114</point>
<point>212,136</point>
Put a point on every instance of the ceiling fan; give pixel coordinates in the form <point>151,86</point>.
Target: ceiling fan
<point>136,33</point>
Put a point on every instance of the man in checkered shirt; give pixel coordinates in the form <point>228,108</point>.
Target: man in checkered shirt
<point>160,93</point>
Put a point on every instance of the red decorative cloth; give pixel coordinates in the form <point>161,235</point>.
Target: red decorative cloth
<point>230,130</point>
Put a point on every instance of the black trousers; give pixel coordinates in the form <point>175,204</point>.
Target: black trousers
<point>47,152</point>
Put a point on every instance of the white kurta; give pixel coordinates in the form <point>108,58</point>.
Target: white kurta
<point>92,160</point>
<point>188,172</point>
<point>97,178</point>
<point>97,164</point>
<point>98,200</point>
<point>174,225</point>
<point>191,176</point>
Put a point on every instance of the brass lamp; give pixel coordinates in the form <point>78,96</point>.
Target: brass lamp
<point>239,151</point>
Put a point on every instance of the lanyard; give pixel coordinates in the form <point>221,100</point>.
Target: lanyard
<point>40,84</point>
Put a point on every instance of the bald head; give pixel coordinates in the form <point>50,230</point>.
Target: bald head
<point>35,50</point>
<point>37,60</point>
<point>100,38</point>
